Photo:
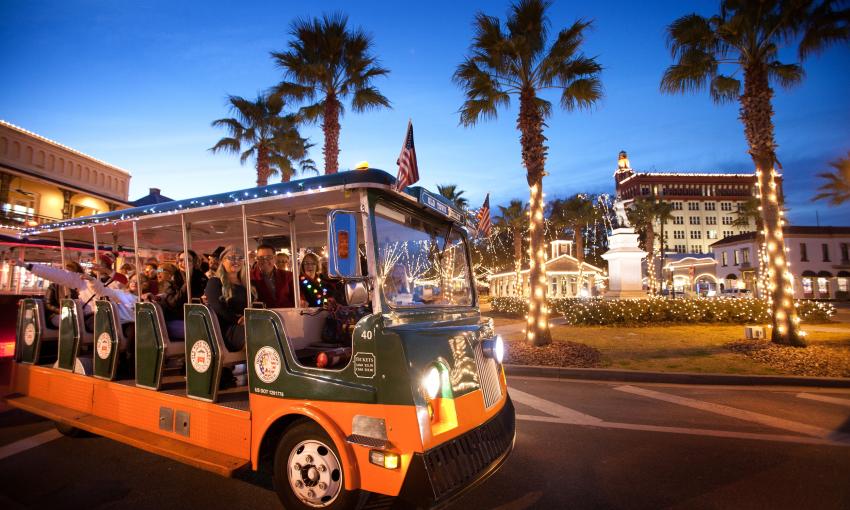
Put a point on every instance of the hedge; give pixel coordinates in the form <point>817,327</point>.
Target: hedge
<point>598,311</point>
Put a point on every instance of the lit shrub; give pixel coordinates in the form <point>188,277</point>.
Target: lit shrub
<point>601,312</point>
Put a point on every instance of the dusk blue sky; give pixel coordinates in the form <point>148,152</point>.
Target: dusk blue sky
<point>138,83</point>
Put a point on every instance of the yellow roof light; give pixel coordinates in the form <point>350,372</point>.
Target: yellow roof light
<point>363,165</point>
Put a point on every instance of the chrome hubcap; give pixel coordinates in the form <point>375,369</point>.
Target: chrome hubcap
<point>314,473</point>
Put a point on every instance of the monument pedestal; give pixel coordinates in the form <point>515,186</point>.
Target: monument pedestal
<point>624,256</point>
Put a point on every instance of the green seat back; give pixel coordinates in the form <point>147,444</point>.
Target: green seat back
<point>70,328</point>
<point>204,348</point>
<point>150,347</point>
<point>30,328</point>
<point>107,335</point>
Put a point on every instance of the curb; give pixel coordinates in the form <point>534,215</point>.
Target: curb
<point>604,374</point>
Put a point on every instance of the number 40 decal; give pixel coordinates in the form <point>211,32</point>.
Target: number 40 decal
<point>367,335</point>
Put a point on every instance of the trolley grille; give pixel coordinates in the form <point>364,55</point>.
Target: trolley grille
<point>488,377</point>
<point>456,463</point>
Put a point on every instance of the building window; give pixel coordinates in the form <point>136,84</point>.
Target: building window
<point>695,248</point>
<point>709,206</point>
<point>694,220</point>
<point>728,233</point>
<point>804,254</point>
<point>807,285</point>
<point>736,260</point>
<point>745,255</point>
<point>680,248</point>
<point>554,286</point>
<point>711,220</point>
<point>823,287</point>
<point>725,206</point>
<point>845,257</point>
<point>644,190</point>
<point>679,234</point>
<point>678,220</point>
<point>693,206</point>
<point>711,234</point>
<point>842,284</point>
<point>677,206</point>
<point>724,259</point>
<point>696,234</point>
<point>727,220</point>
<point>825,251</point>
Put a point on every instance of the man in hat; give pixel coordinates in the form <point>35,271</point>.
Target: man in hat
<point>214,259</point>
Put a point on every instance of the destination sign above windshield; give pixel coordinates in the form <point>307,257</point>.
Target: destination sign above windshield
<point>432,202</point>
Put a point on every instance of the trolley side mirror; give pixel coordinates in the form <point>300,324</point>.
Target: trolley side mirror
<point>343,259</point>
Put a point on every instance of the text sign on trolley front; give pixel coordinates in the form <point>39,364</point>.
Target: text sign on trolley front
<point>432,202</point>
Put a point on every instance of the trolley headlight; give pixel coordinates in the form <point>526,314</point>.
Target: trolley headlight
<point>494,348</point>
<point>431,383</point>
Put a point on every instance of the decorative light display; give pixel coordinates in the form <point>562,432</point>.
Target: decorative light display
<point>314,291</point>
<point>654,310</point>
<point>537,319</point>
<point>779,283</point>
<point>283,189</point>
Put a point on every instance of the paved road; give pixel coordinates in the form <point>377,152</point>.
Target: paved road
<point>579,445</point>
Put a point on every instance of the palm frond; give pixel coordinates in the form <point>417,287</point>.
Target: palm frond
<point>581,94</point>
<point>226,145</point>
<point>787,75</point>
<point>724,89</point>
<point>824,27</point>
<point>368,98</point>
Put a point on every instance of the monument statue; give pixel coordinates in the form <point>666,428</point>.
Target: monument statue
<point>620,212</point>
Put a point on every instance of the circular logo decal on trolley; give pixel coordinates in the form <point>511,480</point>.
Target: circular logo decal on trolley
<point>29,334</point>
<point>267,364</point>
<point>104,345</point>
<point>201,356</point>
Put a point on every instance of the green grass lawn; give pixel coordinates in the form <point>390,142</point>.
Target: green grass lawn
<point>678,348</point>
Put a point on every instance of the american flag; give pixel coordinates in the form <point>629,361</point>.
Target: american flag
<point>408,169</point>
<point>483,217</point>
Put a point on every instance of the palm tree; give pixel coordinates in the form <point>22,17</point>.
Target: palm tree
<point>513,60</point>
<point>451,192</point>
<point>514,217</point>
<point>836,189</point>
<point>746,37</point>
<point>644,213</point>
<point>574,214</point>
<point>328,63</point>
<point>259,130</point>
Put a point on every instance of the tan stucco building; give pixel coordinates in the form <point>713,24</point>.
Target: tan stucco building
<point>42,180</point>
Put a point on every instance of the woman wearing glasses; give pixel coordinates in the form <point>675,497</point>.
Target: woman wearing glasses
<point>225,295</point>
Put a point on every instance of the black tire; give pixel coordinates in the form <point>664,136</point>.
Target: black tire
<point>312,434</point>
<point>69,431</point>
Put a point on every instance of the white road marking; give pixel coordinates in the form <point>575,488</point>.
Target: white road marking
<point>741,414</point>
<point>687,431</point>
<point>565,414</point>
<point>824,398</point>
<point>28,443</point>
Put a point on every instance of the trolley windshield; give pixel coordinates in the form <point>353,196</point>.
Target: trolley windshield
<point>422,263</point>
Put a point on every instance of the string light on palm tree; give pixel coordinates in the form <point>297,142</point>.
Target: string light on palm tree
<point>513,60</point>
<point>746,38</point>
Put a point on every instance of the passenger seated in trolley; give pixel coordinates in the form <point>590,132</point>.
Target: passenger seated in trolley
<point>226,295</point>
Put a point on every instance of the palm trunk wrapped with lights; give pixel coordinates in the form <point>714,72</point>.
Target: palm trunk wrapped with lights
<point>530,124</point>
<point>757,113</point>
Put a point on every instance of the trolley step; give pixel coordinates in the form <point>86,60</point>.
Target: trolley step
<point>192,455</point>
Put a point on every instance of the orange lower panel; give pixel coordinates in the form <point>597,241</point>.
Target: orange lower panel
<point>402,431</point>
<point>211,426</point>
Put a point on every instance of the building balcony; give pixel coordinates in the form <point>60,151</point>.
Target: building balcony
<point>15,219</point>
